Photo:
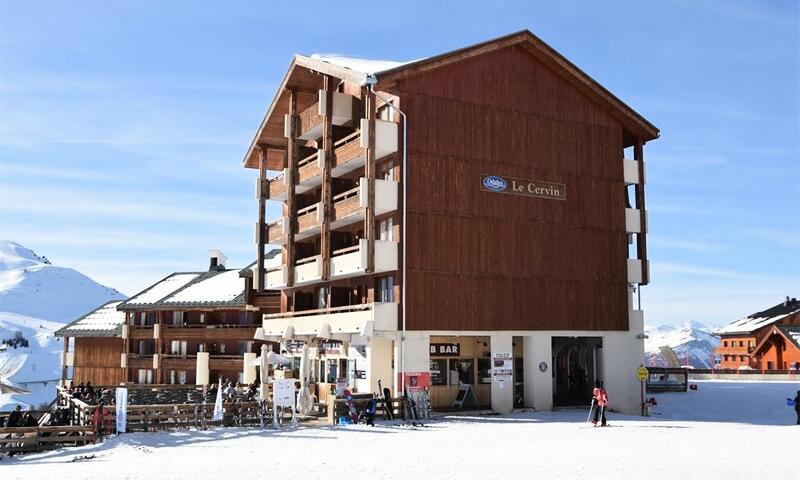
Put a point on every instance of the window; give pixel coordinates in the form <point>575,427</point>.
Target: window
<point>484,370</point>
<point>177,377</point>
<point>741,343</point>
<point>387,171</point>
<point>322,297</point>
<point>333,371</point>
<point>145,376</point>
<point>462,371</point>
<point>386,229</point>
<point>386,290</point>
<point>177,318</point>
<point>245,347</point>
<point>145,347</point>
<point>179,347</point>
<point>438,371</point>
<point>724,343</point>
<point>202,318</point>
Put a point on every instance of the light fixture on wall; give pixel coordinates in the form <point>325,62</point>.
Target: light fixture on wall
<point>642,336</point>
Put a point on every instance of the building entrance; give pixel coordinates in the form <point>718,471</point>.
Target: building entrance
<point>574,370</point>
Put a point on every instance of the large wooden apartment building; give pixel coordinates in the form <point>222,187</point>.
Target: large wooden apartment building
<point>472,218</point>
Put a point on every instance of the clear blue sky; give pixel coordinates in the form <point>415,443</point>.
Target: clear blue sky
<point>123,126</point>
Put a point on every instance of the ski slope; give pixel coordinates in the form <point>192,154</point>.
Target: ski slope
<point>692,342</point>
<point>723,424</point>
<point>37,298</point>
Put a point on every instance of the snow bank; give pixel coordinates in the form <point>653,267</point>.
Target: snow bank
<point>529,445</point>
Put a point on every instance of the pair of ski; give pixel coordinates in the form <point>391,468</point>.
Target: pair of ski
<point>409,406</point>
<point>591,411</point>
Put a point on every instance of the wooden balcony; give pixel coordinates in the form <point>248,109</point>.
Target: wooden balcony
<point>309,220</point>
<point>189,362</point>
<point>138,332</point>
<point>136,360</point>
<point>208,332</point>
<point>349,155</point>
<point>276,231</point>
<point>346,108</point>
<point>352,261</point>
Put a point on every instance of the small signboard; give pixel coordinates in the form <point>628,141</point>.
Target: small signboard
<point>283,392</point>
<point>464,396</point>
<point>642,374</point>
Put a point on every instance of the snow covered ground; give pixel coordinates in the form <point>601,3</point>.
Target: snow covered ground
<point>723,425</point>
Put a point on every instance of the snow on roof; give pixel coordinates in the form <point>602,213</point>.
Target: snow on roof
<point>223,287</point>
<point>162,289</point>
<point>366,66</point>
<point>792,332</point>
<point>104,321</point>
<point>758,320</point>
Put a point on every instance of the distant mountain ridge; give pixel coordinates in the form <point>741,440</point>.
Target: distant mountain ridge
<point>31,285</point>
<point>692,342</point>
<point>37,298</point>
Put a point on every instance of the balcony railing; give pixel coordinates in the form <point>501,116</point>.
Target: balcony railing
<point>345,108</point>
<point>352,261</point>
<point>371,319</point>
<point>349,155</point>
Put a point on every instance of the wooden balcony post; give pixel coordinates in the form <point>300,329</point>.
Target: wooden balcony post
<point>291,206</point>
<point>641,244</point>
<point>158,350</point>
<point>262,212</point>
<point>369,172</point>
<point>327,188</point>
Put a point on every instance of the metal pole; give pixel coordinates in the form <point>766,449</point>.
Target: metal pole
<point>371,80</point>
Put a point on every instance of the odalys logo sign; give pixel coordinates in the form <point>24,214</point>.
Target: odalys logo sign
<point>523,186</point>
<point>494,183</point>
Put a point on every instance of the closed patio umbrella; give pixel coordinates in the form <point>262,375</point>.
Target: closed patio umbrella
<point>304,402</point>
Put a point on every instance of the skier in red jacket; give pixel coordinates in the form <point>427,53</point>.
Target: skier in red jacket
<point>601,400</point>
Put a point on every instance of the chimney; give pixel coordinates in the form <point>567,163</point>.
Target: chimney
<point>217,260</point>
<point>786,302</point>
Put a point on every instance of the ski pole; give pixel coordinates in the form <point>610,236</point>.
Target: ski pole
<point>591,409</point>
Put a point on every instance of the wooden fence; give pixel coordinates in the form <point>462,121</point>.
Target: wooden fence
<point>34,439</point>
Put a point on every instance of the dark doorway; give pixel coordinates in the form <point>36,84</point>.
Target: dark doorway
<point>574,370</point>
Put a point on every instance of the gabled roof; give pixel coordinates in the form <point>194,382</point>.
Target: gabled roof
<point>302,75</point>
<point>790,332</point>
<point>104,321</point>
<point>758,320</point>
<point>270,255</point>
<point>215,289</point>
<point>160,290</point>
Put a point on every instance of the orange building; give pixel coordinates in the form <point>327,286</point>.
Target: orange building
<point>768,340</point>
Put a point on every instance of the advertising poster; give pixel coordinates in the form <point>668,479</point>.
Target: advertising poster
<point>283,392</point>
<point>502,368</point>
<point>416,380</point>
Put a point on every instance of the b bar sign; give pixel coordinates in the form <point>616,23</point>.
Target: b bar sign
<point>445,349</point>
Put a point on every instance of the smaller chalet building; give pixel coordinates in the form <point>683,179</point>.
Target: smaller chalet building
<point>768,340</point>
<point>186,314</point>
<point>96,346</point>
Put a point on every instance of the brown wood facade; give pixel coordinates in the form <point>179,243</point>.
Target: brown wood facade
<point>97,360</point>
<point>480,260</point>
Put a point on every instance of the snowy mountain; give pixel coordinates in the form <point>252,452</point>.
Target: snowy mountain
<point>37,298</point>
<point>692,343</point>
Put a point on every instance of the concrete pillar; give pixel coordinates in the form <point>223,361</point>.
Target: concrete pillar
<point>621,355</point>
<point>379,362</point>
<point>538,385</point>
<point>417,356</point>
<point>502,393</point>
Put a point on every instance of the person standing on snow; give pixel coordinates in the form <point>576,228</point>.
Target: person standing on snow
<point>601,400</point>
<point>797,406</point>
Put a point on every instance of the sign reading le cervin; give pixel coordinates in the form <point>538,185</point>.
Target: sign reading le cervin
<point>521,186</point>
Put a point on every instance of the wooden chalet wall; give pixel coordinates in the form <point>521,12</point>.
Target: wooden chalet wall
<point>480,260</point>
<point>97,360</point>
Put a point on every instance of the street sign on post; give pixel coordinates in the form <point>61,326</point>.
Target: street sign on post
<point>642,374</point>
